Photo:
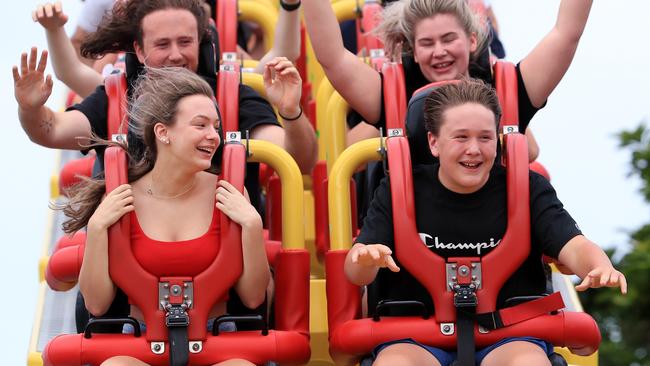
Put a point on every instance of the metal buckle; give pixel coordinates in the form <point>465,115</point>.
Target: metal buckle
<point>176,316</point>
<point>465,296</point>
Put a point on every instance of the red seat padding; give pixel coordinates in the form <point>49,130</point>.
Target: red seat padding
<point>281,346</point>
<point>574,330</point>
<point>537,167</point>
<point>72,170</point>
<point>62,271</point>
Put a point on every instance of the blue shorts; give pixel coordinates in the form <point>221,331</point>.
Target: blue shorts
<point>446,358</point>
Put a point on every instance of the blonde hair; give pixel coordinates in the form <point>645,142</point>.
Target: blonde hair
<point>397,28</point>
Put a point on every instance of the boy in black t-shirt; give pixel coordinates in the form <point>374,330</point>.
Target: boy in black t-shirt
<point>461,211</point>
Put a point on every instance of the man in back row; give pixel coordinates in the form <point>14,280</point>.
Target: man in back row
<point>161,33</point>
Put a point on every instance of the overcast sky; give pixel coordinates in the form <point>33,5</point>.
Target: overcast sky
<point>607,89</point>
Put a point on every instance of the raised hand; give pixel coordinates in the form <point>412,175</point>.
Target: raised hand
<point>115,205</point>
<point>603,276</point>
<point>283,86</point>
<point>233,203</point>
<point>50,16</point>
<point>373,255</point>
<point>31,87</point>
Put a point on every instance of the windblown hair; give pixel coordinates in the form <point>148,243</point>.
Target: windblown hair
<point>154,100</point>
<point>397,28</point>
<point>455,94</point>
<point>119,29</point>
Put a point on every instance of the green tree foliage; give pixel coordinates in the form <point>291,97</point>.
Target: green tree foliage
<point>625,320</point>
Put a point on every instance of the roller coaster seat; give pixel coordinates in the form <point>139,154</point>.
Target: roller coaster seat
<point>191,298</point>
<point>541,318</point>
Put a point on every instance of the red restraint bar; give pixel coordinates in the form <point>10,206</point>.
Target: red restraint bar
<point>226,19</point>
<point>394,95</point>
<point>366,40</point>
<point>115,85</point>
<point>63,266</point>
<point>288,343</point>
<point>228,95</point>
<point>429,268</point>
<point>577,331</point>
<point>74,169</point>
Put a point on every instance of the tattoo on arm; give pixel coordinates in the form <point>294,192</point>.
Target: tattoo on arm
<point>46,124</point>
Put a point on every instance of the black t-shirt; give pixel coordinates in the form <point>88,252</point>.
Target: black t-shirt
<point>253,111</point>
<point>414,80</point>
<point>460,225</point>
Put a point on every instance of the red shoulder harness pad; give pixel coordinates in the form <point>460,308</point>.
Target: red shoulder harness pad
<point>227,25</point>
<point>394,95</point>
<point>228,95</point>
<point>116,90</point>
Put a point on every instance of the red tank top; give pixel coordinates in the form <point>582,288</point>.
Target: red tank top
<point>181,258</point>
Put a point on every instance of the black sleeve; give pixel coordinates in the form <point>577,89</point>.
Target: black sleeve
<point>95,108</point>
<point>526,108</point>
<point>254,110</point>
<point>378,224</point>
<point>551,225</point>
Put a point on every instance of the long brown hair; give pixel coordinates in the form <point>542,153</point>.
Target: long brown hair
<point>154,100</point>
<point>119,29</point>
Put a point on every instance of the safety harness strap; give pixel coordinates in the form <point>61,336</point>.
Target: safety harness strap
<point>519,313</point>
<point>465,344</point>
<point>177,321</point>
<point>179,351</point>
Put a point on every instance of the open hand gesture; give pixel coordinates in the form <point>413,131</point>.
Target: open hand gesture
<point>233,203</point>
<point>283,86</point>
<point>116,204</point>
<point>371,255</point>
<point>603,276</point>
<point>31,88</point>
<point>50,16</point>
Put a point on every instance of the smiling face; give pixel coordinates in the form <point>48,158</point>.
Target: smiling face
<point>466,146</point>
<point>442,47</point>
<point>193,137</point>
<point>169,38</point>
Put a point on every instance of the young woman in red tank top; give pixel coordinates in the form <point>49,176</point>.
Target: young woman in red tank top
<point>172,198</point>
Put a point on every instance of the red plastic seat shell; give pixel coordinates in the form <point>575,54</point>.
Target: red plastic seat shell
<point>72,170</point>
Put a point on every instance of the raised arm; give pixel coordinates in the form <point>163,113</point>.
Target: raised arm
<point>256,275</point>
<point>62,130</point>
<point>287,37</point>
<point>283,88</point>
<point>590,263</point>
<point>94,278</point>
<point>543,68</point>
<point>356,81</point>
<point>68,68</point>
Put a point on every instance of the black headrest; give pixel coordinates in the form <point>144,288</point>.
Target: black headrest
<point>415,130</point>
